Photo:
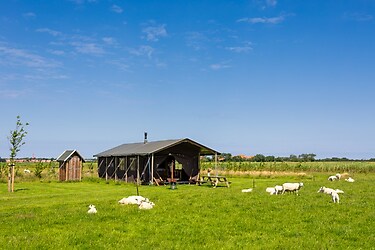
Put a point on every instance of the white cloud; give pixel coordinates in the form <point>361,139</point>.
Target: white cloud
<point>359,17</point>
<point>29,15</point>
<point>196,40</point>
<point>142,51</point>
<point>88,48</point>
<point>266,20</point>
<point>109,40</point>
<point>271,3</point>
<point>241,49</point>
<point>154,32</point>
<point>218,66</point>
<point>49,31</point>
<point>13,57</point>
<point>117,9</point>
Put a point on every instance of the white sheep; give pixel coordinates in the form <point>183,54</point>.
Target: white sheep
<point>26,171</point>
<point>350,179</point>
<point>335,197</point>
<point>132,200</point>
<point>338,176</point>
<point>146,205</point>
<point>332,178</point>
<point>325,190</point>
<point>271,190</point>
<point>247,190</point>
<point>333,192</point>
<point>92,209</point>
<point>292,187</point>
<point>279,189</point>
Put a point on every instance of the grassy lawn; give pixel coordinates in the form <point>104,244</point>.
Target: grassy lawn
<point>48,215</point>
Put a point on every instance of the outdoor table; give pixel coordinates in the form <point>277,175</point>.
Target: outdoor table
<point>215,180</point>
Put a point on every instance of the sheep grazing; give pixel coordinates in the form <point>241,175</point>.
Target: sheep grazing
<point>26,171</point>
<point>292,187</point>
<point>333,178</point>
<point>350,179</point>
<point>92,210</point>
<point>271,190</point>
<point>132,200</point>
<point>333,192</point>
<point>279,189</point>
<point>247,190</point>
<point>146,205</point>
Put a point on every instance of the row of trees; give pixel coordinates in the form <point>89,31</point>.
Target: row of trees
<point>271,158</point>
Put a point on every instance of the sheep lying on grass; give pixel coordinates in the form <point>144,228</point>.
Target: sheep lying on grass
<point>146,205</point>
<point>142,202</point>
<point>333,192</point>
<point>92,210</point>
<point>26,171</point>
<point>292,187</point>
<point>338,176</point>
<point>247,190</point>
<point>333,178</point>
<point>132,200</point>
<point>350,179</point>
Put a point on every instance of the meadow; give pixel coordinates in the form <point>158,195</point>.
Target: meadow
<point>45,214</point>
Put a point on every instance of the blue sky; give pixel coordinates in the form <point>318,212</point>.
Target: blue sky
<point>248,77</point>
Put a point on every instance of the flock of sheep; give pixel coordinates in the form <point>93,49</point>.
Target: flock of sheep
<point>143,203</point>
<point>294,187</point>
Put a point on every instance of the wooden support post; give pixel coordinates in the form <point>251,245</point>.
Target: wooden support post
<point>13,178</point>
<point>152,169</point>
<point>216,170</point>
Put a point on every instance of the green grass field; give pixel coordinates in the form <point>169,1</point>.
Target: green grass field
<point>53,215</point>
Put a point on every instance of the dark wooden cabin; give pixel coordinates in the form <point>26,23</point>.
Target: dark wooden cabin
<point>70,165</point>
<point>148,162</point>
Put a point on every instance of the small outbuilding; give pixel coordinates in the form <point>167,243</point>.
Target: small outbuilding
<point>70,165</point>
<point>149,162</point>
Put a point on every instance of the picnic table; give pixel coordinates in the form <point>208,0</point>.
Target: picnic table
<point>215,180</point>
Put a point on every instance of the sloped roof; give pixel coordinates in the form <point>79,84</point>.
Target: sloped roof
<point>152,148</point>
<point>67,154</point>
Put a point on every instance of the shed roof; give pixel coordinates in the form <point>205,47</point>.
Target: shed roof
<point>152,148</point>
<point>67,154</point>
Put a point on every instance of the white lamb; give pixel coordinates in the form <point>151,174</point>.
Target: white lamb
<point>132,200</point>
<point>271,190</point>
<point>146,205</point>
<point>334,193</point>
<point>335,197</point>
<point>247,190</point>
<point>338,176</point>
<point>92,209</point>
<point>292,187</point>
<point>26,171</point>
<point>332,178</point>
<point>279,189</point>
<point>350,179</point>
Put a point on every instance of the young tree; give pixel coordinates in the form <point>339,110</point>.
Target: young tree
<point>16,141</point>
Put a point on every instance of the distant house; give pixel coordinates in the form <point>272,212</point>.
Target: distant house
<point>148,162</point>
<point>70,165</point>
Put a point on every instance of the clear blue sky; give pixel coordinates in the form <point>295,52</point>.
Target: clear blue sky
<point>248,77</point>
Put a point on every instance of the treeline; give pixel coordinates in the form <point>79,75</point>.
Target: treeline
<point>227,157</point>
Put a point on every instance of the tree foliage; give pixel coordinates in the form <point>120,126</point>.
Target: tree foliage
<point>16,138</point>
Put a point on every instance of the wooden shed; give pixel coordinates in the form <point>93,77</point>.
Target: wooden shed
<point>147,162</point>
<point>70,165</point>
